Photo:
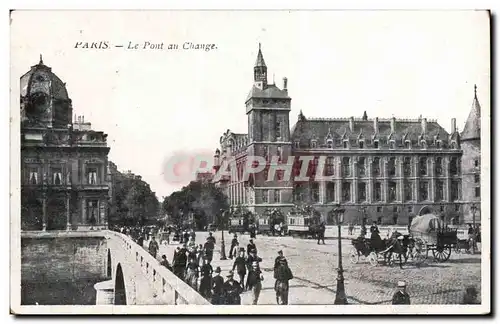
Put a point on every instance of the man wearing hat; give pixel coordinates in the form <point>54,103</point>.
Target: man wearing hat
<point>252,258</point>
<point>217,288</point>
<point>254,282</point>
<point>234,246</point>
<point>401,297</point>
<point>251,246</point>
<point>240,266</point>
<point>209,247</point>
<point>232,290</point>
<point>206,277</point>
<point>282,274</point>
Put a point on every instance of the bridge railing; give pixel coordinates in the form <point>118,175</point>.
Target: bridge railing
<point>168,288</point>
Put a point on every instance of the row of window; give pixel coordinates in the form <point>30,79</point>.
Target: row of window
<point>56,176</point>
<point>362,143</point>
<point>276,194</point>
<point>408,192</point>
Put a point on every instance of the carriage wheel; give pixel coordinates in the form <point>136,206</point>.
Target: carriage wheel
<point>420,252</point>
<point>354,257</point>
<point>373,258</point>
<point>442,253</point>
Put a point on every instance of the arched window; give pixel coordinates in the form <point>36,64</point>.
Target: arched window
<point>392,144</point>
<point>346,144</point>
<point>361,144</point>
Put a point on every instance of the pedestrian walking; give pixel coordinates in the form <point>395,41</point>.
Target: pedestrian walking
<point>209,247</point>
<point>254,282</point>
<point>180,262</point>
<point>251,246</point>
<point>241,267</point>
<point>321,232</point>
<point>234,246</point>
<point>253,231</point>
<point>200,256</point>
<point>282,274</point>
<point>192,273</point>
<point>401,297</point>
<point>217,288</point>
<point>206,279</point>
<point>140,240</point>
<point>164,262</point>
<point>153,247</point>
<point>252,258</point>
<point>232,290</point>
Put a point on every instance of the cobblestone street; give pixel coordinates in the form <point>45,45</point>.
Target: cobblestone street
<point>314,268</point>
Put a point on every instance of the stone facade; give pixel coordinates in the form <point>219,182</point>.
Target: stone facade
<point>386,170</point>
<point>65,183</point>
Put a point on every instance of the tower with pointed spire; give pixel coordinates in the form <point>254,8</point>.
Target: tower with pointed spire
<point>471,161</point>
<point>260,71</point>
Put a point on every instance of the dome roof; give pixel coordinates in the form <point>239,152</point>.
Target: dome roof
<point>40,78</point>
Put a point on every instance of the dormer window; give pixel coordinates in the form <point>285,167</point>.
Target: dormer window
<point>361,144</point>
<point>408,144</point>
<point>314,143</point>
<point>454,145</point>
<point>375,144</point>
<point>297,144</point>
<point>392,144</point>
<point>329,144</point>
<point>439,144</point>
<point>423,143</point>
<point>346,144</point>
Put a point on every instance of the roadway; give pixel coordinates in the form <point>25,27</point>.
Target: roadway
<point>314,268</point>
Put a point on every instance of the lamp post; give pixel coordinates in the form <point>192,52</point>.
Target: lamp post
<point>473,209</point>
<point>340,297</point>
<point>363,222</point>
<point>222,243</point>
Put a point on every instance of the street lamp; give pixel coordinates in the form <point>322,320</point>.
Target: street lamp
<point>340,297</point>
<point>222,243</point>
<point>473,209</point>
<point>363,223</point>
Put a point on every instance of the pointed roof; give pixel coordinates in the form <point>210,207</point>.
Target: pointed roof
<point>472,129</point>
<point>260,59</point>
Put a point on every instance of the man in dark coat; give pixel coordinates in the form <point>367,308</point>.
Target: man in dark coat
<point>254,282</point>
<point>240,266</point>
<point>153,247</point>
<point>282,274</point>
<point>164,262</point>
<point>209,247</point>
<point>206,279</point>
<point>321,232</point>
<point>180,262</point>
<point>252,258</point>
<point>251,246</point>
<point>232,290</point>
<point>401,297</point>
<point>253,231</point>
<point>217,288</point>
<point>234,246</point>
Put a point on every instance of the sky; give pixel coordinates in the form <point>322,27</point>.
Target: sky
<point>154,104</point>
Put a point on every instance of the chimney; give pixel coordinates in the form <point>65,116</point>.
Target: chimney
<point>351,124</point>
<point>453,125</point>
<point>393,124</point>
<point>424,125</point>
<point>285,84</point>
<point>375,125</point>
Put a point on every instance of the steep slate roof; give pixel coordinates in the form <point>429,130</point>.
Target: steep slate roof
<point>472,129</point>
<point>271,91</point>
<point>307,129</point>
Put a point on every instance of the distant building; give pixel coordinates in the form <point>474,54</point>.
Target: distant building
<point>64,182</point>
<point>396,168</point>
<point>471,161</point>
<point>204,176</point>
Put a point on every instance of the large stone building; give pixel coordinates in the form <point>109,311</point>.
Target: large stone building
<point>471,162</point>
<point>64,179</point>
<point>387,169</point>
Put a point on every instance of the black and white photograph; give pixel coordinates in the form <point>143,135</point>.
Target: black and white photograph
<point>250,162</point>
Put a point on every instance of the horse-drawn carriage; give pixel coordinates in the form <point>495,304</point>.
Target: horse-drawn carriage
<point>390,251</point>
<point>430,234</point>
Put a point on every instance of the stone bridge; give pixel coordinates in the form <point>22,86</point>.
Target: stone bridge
<point>128,274</point>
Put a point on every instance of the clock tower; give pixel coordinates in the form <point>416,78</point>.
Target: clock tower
<point>268,109</point>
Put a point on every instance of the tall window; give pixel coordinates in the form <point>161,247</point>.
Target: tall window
<point>279,153</point>
<point>361,167</point>
<point>391,166</point>
<point>346,192</point>
<point>423,191</point>
<point>376,167</point>
<point>454,166</point>
<point>408,191</point>
<point>477,192</point>
<point>439,166</point>
<point>346,144</point>
<point>476,163</point>
<point>277,196</point>
<point>315,192</point>
<point>265,152</point>
<point>330,191</point>
<point>330,166</point>
<point>392,145</point>
<point>265,195</point>
<point>346,166</point>
<point>439,190</point>
<point>298,193</point>
<point>454,190</point>
<point>392,191</point>
<point>375,144</point>
<point>297,144</point>
<point>33,176</point>
<point>423,166</point>
<point>362,191</point>
<point>407,166</point>
<point>92,211</point>
<point>361,144</point>
<point>278,130</point>
<point>377,191</point>
<point>476,178</point>
<point>92,175</point>
<point>407,144</point>
<point>314,144</point>
<point>56,176</point>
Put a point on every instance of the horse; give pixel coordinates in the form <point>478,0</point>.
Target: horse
<point>398,244</point>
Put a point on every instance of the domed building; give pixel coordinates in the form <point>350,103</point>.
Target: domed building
<point>64,177</point>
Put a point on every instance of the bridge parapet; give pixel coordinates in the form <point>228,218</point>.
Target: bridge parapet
<point>167,288</point>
